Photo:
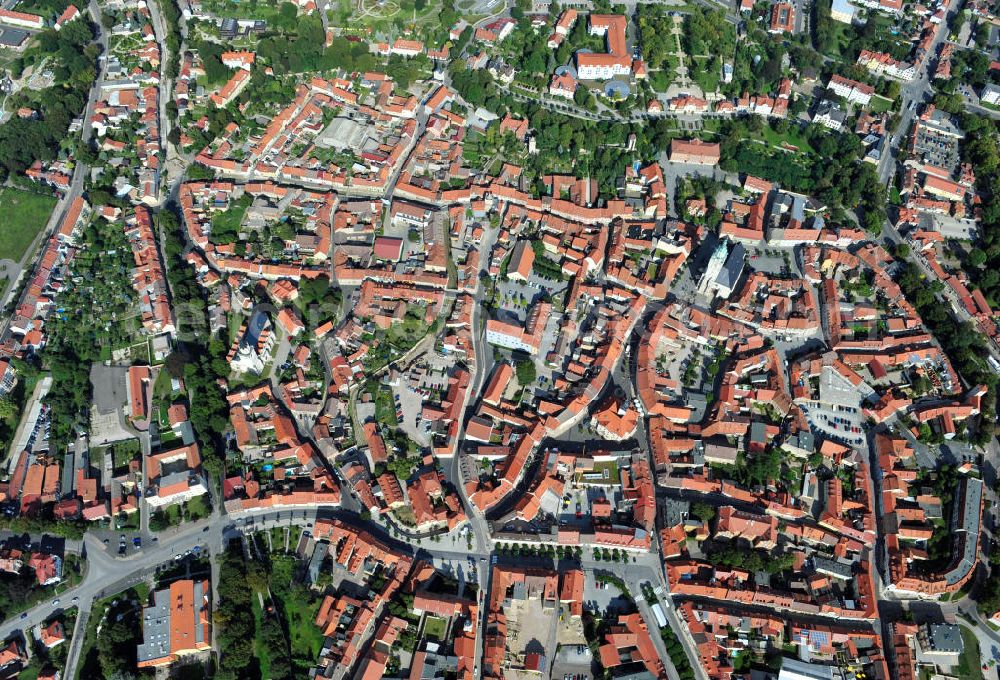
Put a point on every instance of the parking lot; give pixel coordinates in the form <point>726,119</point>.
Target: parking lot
<point>770,261</point>
<point>426,378</point>
<point>110,396</point>
<point>837,390</point>
<point>936,148</point>
<point>31,422</point>
<point>409,405</point>
<point>836,422</point>
<point>573,662</point>
<point>516,298</point>
<point>952,227</point>
<point>575,510</point>
<point>37,431</point>
<point>603,597</point>
<point>106,428</point>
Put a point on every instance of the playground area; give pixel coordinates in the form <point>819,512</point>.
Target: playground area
<point>388,18</point>
<point>379,10</point>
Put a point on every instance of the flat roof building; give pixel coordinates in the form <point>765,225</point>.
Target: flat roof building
<point>843,11</point>
<point>793,669</point>
<point>941,642</point>
<point>14,38</point>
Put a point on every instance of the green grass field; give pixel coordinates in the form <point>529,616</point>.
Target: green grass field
<point>840,40</point>
<point>880,104</point>
<point>198,507</point>
<point>226,224</point>
<point>306,637</point>
<point>969,664</point>
<point>707,79</point>
<point>407,333</point>
<point>793,137</point>
<point>24,215</point>
<point>435,627</point>
<point>300,612</point>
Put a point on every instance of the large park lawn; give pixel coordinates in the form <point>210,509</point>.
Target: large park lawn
<point>22,215</point>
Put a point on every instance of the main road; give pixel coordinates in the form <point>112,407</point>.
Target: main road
<point>106,574</point>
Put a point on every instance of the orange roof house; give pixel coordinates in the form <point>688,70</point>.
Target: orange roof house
<point>694,151</point>
<point>498,384</point>
<point>176,624</point>
<point>388,248</point>
<point>52,634</point>
<point>782,18</point>
<point>571,591</point>
<point>11,654</point>
<point>21,19</point>
<point>614,420</point>
<point>521,261</point>
<point>629,641</point>
<point>236,84</point>
<point>140,380</point>
<point>376,445</point>
<point>48,568</point>
<point>617,60</point>
<point>760,530</point>
<point>290,322</point>
<point>518,127</point>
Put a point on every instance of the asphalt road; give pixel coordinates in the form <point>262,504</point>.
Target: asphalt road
<point>107,574</point>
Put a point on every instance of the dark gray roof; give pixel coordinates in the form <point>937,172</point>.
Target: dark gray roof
<point>733,267</point>
<point>833,568</point>
<point>946,637</point>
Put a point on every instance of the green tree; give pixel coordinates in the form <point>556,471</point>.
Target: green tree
<point>287,13</point>
<point>8,407</point>
<point>703,511</point>
<point>526,372</point>
<point>257,577</point>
